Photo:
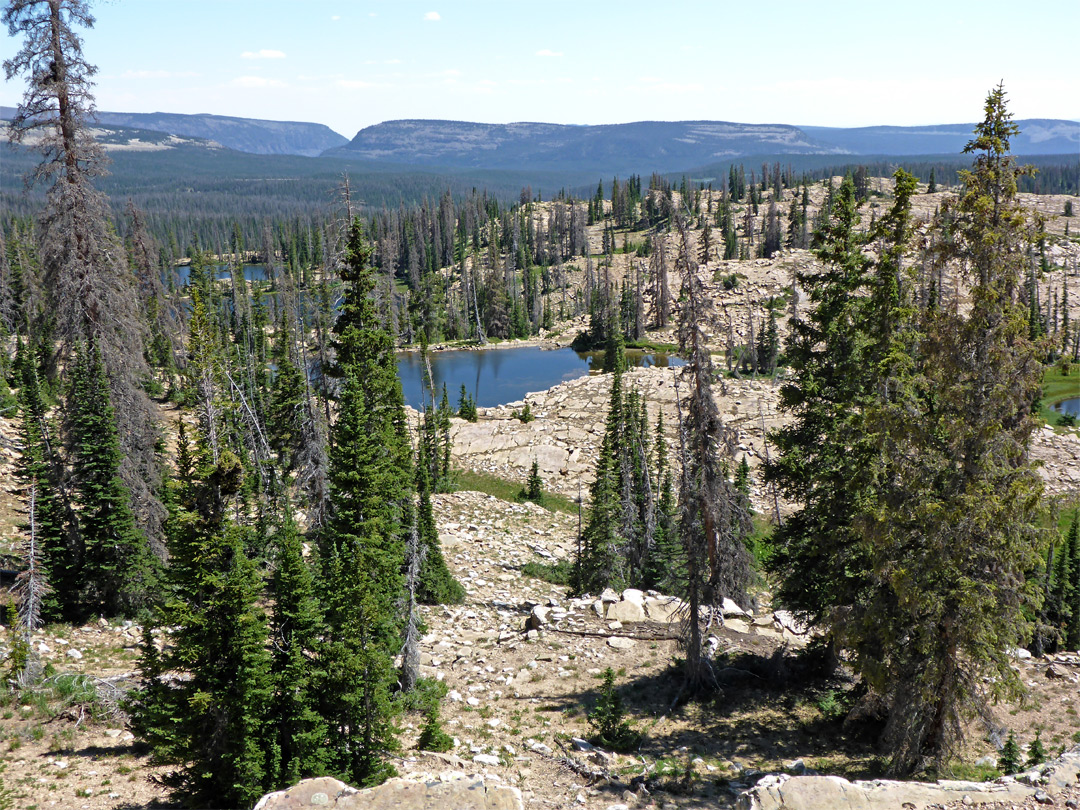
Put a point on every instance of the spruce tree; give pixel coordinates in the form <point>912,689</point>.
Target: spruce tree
<point>1009,760</point>
<point>948,518</point>
<point>118,570</point>
<point>820,564</point>
<point>362,547</point>
<point>665,567</point>
<point>534,485</point>
<point>1070,585</point>
<point>295,628</point>
<point>712,522</point>
<point>37,468</point>
<point>435,584</point>
<point>287,398</point>
<point>213,724</point>
<point>599,564</point>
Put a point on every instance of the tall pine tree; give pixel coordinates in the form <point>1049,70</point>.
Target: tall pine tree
<point>118,571</point>
<point>362,547</point>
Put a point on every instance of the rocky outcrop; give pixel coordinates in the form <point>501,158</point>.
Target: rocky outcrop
<point>782,792</point>
<point>399,794</point>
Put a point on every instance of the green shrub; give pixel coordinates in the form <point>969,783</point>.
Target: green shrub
<point>1009,759</point>
<point>432,736</point>
<point>467,406</point>
<point>608,719</point>
<point>1036,751</point>
<point>556,573</point>
<point>525,415</point>
<point>534,485</point>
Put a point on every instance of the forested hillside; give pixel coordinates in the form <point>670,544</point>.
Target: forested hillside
<point>841,537</point>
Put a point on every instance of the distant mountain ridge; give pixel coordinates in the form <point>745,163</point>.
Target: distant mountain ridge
<point>661,146</point>
<point>253,135</point>
<point>1038,136</point>
<point>565,150</point>
<point>666,146</point>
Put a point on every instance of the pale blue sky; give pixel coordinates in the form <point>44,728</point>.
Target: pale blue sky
<point>352,63</point>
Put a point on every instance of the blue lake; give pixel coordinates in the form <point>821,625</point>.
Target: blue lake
<point>1068,406</point>
<point>252,272</point>
<point>497,376</point>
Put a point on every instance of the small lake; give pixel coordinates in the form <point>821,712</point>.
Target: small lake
<point>497,376</point>
<point>252,272</point>
<point>1067,406</point>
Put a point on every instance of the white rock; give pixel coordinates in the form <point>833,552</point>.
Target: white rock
<point>634,595</point>
<point>74,654</point>
<point>729,608</point>
<point>737,625</point>
<point>626,612</point>
<point>621,643</point>
<point>485,759</point>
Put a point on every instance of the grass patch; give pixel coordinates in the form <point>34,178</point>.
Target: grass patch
<point>651,346</point>
<point>1055,388</point>
<point>556,573</point>
<point>510,490</point>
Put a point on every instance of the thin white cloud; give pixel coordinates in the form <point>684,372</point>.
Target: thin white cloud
<point>159,74</point>
<point>353,84</point>
<point>265,53</point>
<point>452,73</point>
<point>392,62</point>
<point>335,17</point>
<point>432,16</point>
<point>548,52</point>
<point>256,82</point>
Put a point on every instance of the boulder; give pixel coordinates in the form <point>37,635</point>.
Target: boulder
<point>537,618</point>
<point>396,794</point>
<point>729,608</point>
<point>664,609</point>
<point>620,643</point>
<point>783,792</point>
<point>633,595</point>
<point>626,612</point>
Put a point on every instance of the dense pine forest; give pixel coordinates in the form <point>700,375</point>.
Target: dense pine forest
<point>220,459</point>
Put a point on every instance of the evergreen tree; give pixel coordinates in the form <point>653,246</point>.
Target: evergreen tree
<point>60,551</point>
<point>91,294</point>
<point>1036,751</point>
<point>295,627</point>
<point>596,565</point>
<point>817,558</point>
<point>665,567</point>
<point>1060,597</point>
<point>287,398</point>
<point>1067,587</point>
<point>1009,760</point>
<point>534,485</point>
<point>118,570</point>
<point>952,527</point>
<point>435,584</point>
<point>712,522</point>
<point>212,724</point>
<point>362,547</point>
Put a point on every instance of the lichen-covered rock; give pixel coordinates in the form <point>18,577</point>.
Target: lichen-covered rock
<point>782,792</point>
<point>396,794</point>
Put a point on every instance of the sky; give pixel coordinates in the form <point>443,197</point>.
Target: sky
<point>353,63</point>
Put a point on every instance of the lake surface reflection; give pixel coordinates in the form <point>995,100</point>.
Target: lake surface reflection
<point>497,376</point>
<point>1068,406</point>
